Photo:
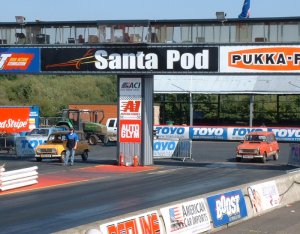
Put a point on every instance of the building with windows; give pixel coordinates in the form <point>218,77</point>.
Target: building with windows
<point>260,98</point>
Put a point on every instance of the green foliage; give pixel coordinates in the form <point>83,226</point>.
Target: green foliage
<point>53,93</point>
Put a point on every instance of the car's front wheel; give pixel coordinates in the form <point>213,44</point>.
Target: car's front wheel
<point>63,157</point>
<point>92,140</point>
<point>264,158</point>
<point>276,156</point>
<point>238,159</point>
<point>38,159</point>
<point>85,155</point>
<point>106,140</point>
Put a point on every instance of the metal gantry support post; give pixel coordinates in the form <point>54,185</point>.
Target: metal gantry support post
<point>135,119</point>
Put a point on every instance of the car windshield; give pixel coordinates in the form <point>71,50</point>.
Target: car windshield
<point>57,137</point>
<point>255,138</point>
<point>36,131</point>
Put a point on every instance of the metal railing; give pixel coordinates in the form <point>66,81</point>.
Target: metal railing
<point>7,143</point>
<point>174,148</point>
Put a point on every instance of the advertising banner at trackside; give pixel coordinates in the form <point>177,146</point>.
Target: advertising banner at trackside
<point>238,133</point>
<point>226,208</point>
<point>14,119</point>
<point>130,108</point>
<point>294,154</point>
<point>130,131</point>
<point>138,59</point>
<point>130,87</point>
<point>189,217</point>
<point>146,223</point>
<point>177,131</point>
<point>263,196</point>
<point>260,59</point>
<point>284,134</point>
<point>25,146</point>
<point>19,60</point>
<point>164,148</point>
<point>206,132</point>
<point>17,119</point>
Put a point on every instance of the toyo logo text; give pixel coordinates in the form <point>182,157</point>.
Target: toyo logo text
<point>164,145</point>
<point>208,131</point>
<point>31,144</point>
<point>15,61</point>
<point>143,224</point>
<point>287,133</point>
<point>227,206</point>
<point>170,130</point>
<point>266,59</point>
<point>244,131</point>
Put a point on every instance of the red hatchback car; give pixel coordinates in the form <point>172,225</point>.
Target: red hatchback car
<point>258,145</point>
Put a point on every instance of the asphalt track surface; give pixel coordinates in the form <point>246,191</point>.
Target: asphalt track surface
<point>97,189</point>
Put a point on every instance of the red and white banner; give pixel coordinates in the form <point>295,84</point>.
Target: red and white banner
<point>14,120</point>
<point>130,131</point>
<point>130,109</point>
<point>147,223</point>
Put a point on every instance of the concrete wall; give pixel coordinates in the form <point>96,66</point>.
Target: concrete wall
<point>288,187</point>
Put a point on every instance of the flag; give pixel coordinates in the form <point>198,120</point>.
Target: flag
<point>245,10</point>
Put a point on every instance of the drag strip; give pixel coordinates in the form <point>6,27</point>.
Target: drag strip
<point>57,208</point>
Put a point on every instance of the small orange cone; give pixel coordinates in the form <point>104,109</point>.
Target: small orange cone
<point>135,161</point>
<point>121,159</point>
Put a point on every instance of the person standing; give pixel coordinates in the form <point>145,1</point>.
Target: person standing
<point>72,139</point>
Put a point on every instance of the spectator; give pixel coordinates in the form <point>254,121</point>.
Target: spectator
<point>80,39</point>
<point>72,139</point>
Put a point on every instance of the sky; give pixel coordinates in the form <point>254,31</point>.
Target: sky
<point>76,10</point>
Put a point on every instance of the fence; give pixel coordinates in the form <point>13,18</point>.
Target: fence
<point>17,178</point>
<point>49,121</point>
<point>172,148</point>
<point>8,143</point>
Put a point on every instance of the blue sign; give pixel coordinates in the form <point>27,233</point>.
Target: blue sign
<point>227,207</point>
<point>208,133</point>
<point>19,60</point>
<point>286,134</point>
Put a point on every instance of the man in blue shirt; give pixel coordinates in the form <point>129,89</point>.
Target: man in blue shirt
<point>72,139</point>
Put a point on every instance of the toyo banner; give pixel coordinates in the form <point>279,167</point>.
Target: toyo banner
<point>285,134</point>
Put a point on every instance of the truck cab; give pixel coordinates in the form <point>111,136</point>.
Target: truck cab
<point>111,125</point>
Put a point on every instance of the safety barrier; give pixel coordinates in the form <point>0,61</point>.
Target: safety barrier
<point>172,148</point>
<point>17,178</point>
<point>205,213</point>
<point>225,133</point>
